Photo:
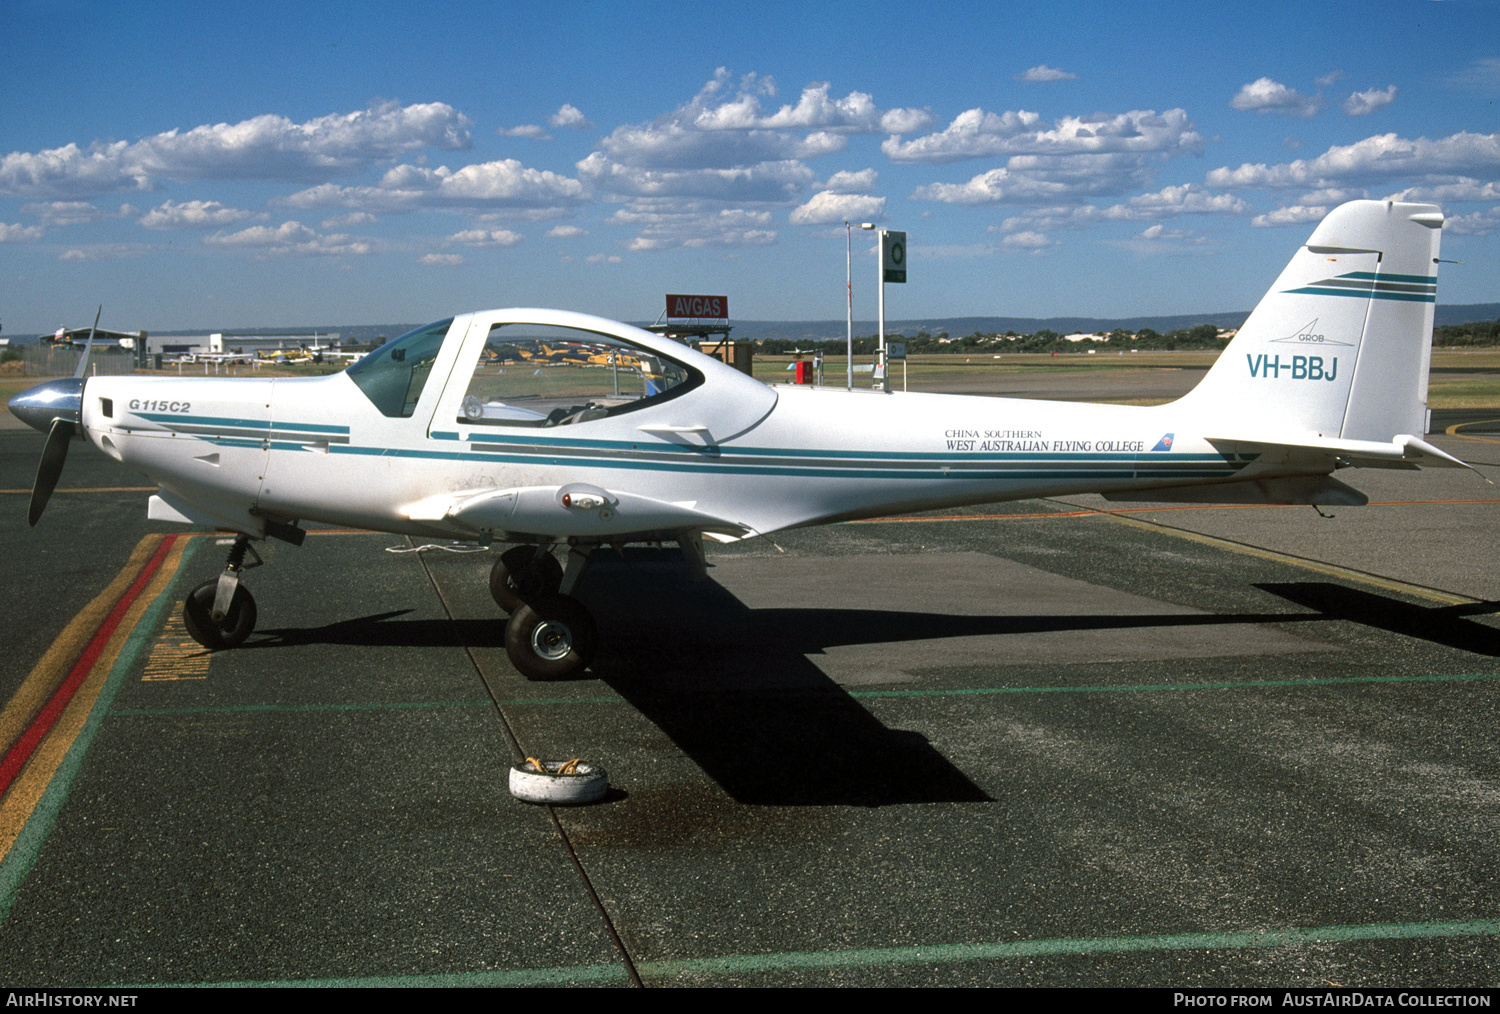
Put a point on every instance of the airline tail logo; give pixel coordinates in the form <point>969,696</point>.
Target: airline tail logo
<point>1165,443</point>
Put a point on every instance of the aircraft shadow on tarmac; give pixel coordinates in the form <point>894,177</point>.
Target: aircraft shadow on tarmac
<point>1449,626</point>
<point>734,687</point>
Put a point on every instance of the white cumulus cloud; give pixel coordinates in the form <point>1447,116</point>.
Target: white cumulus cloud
<point>1376,158</point>
<point>288,239</point>
<point>665,225</point>
<point>978,134</point>
<point>194,215</point>
<point>571,117</point>
<point>19,233</point>
<point>441,260</point>
<point>1296,214</point>
<point>1027,179</point>
<point>486,237</point>
<point>1478,223</point>
<point>264,148</point>
<point>505,183</point>
<point>826,207</point>
<point>531,130</point>
<point>1366,102</point>
<point>1043,72</point>
<point>1033,242</point>
<point>1186,199</point>
<point>1264,95</point>
<point>60,213</point>
<point>845,182</point>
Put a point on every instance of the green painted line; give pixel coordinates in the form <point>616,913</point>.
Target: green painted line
<point>930,954</point>
<point>28,845</point>
<point>1094,689</point>
<point>947,953</point>
<point>231,708</point>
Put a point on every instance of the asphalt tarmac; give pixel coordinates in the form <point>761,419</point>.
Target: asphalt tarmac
<point>1048,743</point>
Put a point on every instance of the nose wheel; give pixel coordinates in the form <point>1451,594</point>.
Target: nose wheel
<point>230,629</point>
<point>221,613</point>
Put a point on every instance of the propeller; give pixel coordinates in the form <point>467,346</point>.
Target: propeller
<point>53,455</point>
<point>56,408</point>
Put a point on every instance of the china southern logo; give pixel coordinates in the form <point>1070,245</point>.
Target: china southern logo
<point>1370,285</point>
<point>1309,335</point>
<point>1165,443</point>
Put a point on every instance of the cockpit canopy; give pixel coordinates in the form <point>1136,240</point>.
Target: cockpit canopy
<point>527,375</point>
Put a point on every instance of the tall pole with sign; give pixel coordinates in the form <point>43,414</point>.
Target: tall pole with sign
<point>892,269</point>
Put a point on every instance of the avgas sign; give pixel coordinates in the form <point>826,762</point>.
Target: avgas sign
<point>714,307</point>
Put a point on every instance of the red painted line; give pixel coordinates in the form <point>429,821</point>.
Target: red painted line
<point>25,745</point>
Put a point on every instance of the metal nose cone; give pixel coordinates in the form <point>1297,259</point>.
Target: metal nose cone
<point>55,399</point>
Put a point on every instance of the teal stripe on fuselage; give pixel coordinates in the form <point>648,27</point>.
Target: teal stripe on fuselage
<point>1216,468</point>
<point>244,424</point>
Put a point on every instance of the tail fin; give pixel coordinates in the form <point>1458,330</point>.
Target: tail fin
<point>1340,346</point>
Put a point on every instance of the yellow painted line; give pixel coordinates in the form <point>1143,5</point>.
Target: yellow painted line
<point>26,791</point>
<point>176,656</point>
<point>1316,566</point>
<point>54,665</point>
<point>1452,431</point>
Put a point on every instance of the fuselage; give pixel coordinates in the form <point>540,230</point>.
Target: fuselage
<point>727,449</point>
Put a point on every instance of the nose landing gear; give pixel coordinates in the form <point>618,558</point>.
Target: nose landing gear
<point>221,613</point>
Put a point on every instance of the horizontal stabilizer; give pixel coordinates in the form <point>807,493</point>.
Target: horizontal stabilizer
<point>1402,451</point>
<point>1320,490</point>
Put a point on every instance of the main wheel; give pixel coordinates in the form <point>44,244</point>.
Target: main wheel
<point>197,616</point>
<point>552,637</point>
<point>520,576</point>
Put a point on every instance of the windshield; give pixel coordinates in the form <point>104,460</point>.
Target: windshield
<point>393,375</point>
<point>547,375</point>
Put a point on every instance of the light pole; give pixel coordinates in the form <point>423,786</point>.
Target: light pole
<point>849,286</point>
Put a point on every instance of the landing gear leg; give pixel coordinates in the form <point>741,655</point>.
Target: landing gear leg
<point>552,636</point>
<point>221,613</point>
<point>521,574</point>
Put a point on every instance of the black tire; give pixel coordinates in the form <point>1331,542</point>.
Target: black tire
<point>197,616</point>
<point>552,637</point>
<point>520,576</point>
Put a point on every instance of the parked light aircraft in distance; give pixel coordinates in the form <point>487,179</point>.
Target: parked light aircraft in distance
<point>464,429</point>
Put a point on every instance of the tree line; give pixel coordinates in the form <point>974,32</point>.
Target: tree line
<point>1203,336</point>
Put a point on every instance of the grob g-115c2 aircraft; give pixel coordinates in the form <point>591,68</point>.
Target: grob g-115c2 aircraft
<point>550,429</point>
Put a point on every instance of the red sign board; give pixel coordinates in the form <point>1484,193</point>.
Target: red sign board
<point>716,307</point>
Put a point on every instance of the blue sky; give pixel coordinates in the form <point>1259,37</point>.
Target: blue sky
<point>197,166</point>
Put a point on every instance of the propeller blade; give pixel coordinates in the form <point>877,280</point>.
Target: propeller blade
<point>53,456</point>
<point>88,349</point>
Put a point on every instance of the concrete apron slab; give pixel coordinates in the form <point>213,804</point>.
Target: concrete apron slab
<point>953,609</point>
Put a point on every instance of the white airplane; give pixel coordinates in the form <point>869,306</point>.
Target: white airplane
<point>552,430</point>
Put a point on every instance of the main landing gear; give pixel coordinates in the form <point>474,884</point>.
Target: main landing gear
<point>221,613</point>
<point>550,635</point>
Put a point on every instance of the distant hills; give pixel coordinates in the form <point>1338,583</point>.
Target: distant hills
<point>831,330</point>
